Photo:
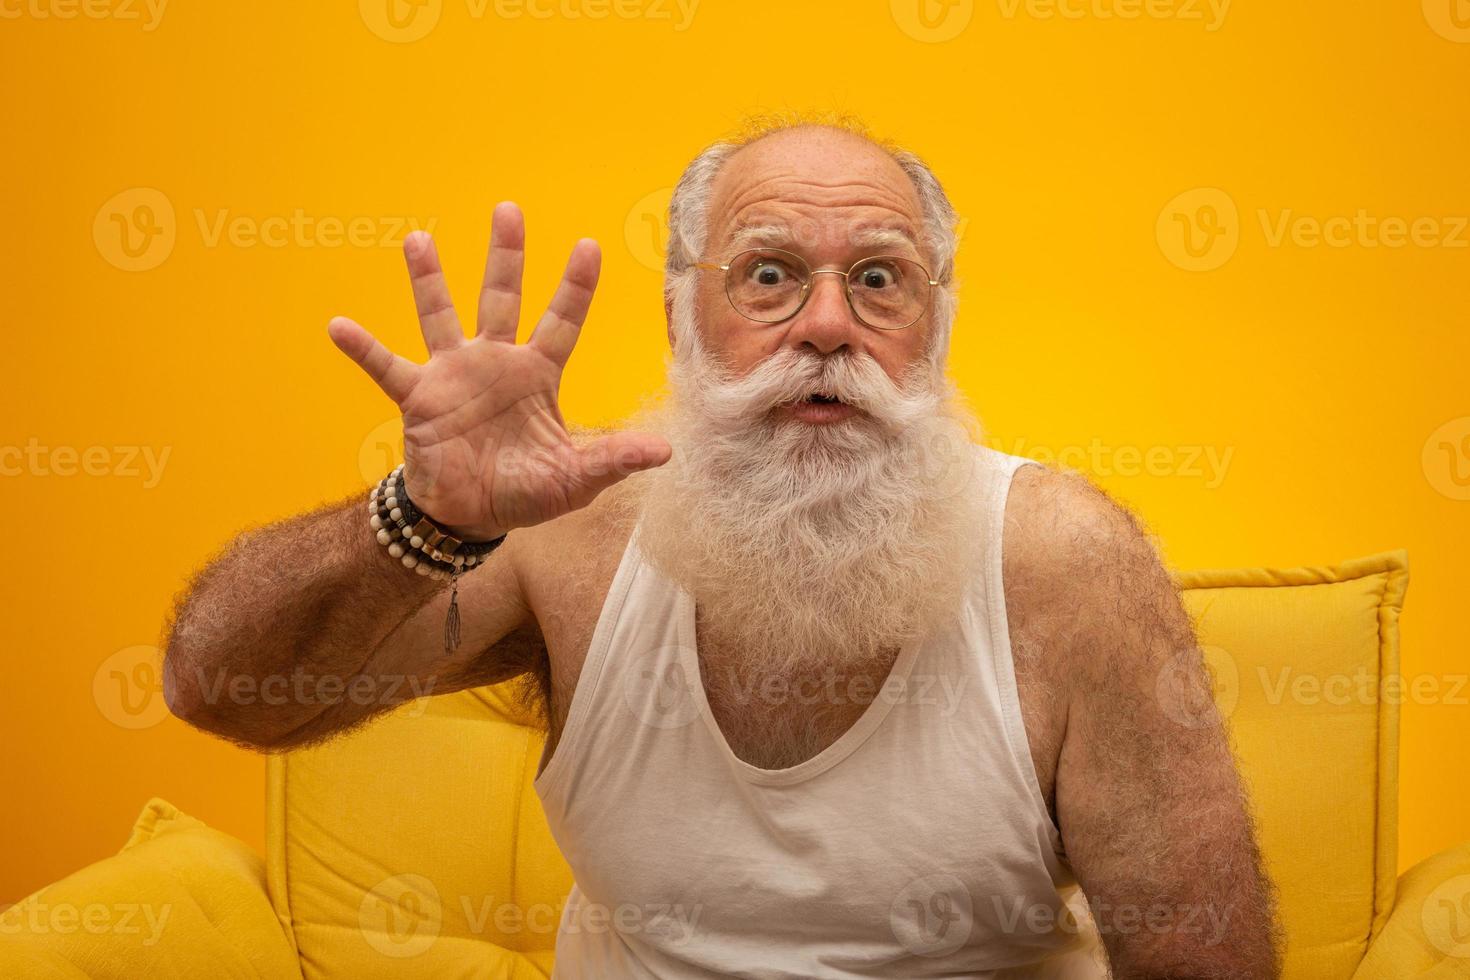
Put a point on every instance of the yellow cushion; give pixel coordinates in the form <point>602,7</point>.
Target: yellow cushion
<point>1425,937</point>
<point>1299,659</point>
<point>179,900</point>
<point>417,846</point>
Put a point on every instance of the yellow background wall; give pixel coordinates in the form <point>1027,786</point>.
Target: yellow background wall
<point>1259,396</point>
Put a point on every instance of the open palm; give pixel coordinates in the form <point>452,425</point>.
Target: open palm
<point>485,446</point>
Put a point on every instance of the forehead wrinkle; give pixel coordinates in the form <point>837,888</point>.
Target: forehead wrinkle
<point>734,213</point>
<point>806,191</point>
<point>893,230</point>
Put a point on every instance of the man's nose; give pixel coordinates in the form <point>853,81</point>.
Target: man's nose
<point>826,322</point>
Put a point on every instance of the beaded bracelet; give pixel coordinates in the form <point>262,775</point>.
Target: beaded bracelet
<point>417,541</point>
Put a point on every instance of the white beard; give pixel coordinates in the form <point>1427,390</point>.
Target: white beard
<point>811,547</point>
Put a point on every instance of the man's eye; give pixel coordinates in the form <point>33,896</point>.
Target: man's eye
<point>877,277</point>
<point>769,274</point>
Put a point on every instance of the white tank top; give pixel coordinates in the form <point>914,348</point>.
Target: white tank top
<point>916,845</point>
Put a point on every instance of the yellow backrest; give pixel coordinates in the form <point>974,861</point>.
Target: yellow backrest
<point>417,846</point>
<point>1299,658</point>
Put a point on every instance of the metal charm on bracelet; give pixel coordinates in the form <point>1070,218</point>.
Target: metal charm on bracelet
<point>419,543</point>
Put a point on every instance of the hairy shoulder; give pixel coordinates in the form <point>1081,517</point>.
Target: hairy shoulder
<point>1081,569</point>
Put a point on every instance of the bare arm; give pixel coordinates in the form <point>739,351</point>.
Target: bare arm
<point>309,627</point>
<point>1153,815</point>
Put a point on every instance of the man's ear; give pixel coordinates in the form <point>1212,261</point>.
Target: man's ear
<point>669,318</point>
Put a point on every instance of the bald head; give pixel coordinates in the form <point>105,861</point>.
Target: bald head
<point>833,196</point>
<point>827,191</point>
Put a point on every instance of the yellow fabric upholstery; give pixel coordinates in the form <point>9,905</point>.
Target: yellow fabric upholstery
<point>180,900</point>
<point>417,847</point>
<point>1299,657</point>
<point>1427,936</point>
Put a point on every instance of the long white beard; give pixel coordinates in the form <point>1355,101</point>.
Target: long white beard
<point>812,547</point>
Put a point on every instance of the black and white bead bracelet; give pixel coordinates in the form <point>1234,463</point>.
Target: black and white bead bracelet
<point>413,538</point>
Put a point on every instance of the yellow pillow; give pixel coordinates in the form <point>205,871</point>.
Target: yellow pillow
<point>1300,658</point>
<point>179,900</point>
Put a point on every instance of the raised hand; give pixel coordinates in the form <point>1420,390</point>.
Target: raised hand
<point>485,445</point>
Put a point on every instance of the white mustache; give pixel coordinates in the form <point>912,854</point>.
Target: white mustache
<point>792,375</point>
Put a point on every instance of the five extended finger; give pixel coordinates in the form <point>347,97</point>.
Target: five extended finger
<point>556,333</point>
<point>500,293</point>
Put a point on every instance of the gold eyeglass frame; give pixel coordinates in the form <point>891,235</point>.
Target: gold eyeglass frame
<point>806,286</point>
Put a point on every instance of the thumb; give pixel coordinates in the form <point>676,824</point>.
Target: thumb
<point>611,459</point>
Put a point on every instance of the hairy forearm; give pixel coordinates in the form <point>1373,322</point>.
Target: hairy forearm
<point>280,627</point>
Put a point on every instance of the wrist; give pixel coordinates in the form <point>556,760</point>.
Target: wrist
<point>415,539</point>
<point>424,546</point>
<point>469,535</point>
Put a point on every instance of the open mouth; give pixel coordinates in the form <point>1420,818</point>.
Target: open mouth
<point>820,408</point>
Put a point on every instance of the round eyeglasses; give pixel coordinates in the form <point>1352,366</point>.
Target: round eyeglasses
<point>769,285</point>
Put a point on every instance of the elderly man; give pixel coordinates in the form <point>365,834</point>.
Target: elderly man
<point>853,694</point>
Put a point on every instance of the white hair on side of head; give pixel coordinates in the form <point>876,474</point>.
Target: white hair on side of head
<point>689,220</point>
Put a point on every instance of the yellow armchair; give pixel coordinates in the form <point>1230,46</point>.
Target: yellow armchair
<point>416,847</point>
